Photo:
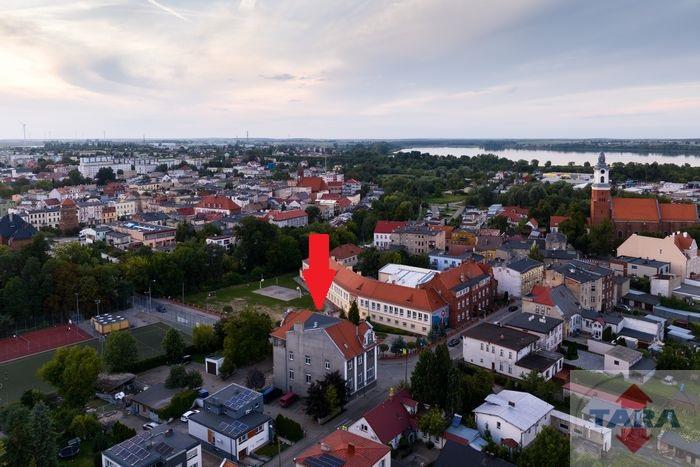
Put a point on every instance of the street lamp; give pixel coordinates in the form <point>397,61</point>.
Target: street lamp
<point>261,281</point>
<point>97,303</point>
<point>299,290</point>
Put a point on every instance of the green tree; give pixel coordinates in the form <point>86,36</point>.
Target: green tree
<point>44,437</point>
<point>354,313</point>
<point>204,338</point>
<point>549,449</point>
<point>255,379</point>
<point>174,345</point>
<point>433,423</point>
<point>535,253</point>
<point>104,176</point>
<point>18,441</point>
<point>121,352</point>
<point>247,339</point>
<point>602,239</point>
<point>572,351</point>
<point>73,372</point>
<point>121,432</point>
<point>84,426</point>
<point>314,214</point>
<point>607,334</point>
<point>316,405</point>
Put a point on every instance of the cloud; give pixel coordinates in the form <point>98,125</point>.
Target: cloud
<point>167,10</point>
<point>279,77</point>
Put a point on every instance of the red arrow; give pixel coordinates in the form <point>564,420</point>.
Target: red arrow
<point>318,276</point>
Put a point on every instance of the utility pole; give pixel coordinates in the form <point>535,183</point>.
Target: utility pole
<point>77,305</point>
<point>97,303</point>
<point>183,292</point>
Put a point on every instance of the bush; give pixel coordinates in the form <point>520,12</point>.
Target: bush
<point>121,432</point>
<point>179,404</point>
<point>288,428</point>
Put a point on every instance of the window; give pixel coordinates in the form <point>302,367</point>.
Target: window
<point>363,427</point>
<point>307,376</point>
<point>307,359</point>
<point>191,453</point>
<point>328,365</point>
<point>359,359</point>
<point>291,374</point>
<point>498,425</point>
<point>291,355</point>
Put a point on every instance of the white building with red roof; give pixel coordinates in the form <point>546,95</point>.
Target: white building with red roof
<point>291,218</point>
<point>217,204</point>
<point>308,345</point>
<point>388,422</point>
<point>383,231</point>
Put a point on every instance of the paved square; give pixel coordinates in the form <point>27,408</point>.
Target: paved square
<point>280,293</point>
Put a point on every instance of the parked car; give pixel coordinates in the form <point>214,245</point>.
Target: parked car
<point>202,393</point>
<point>149,425</point>
<point>161,308</point>
<point>186,416</point>
<point>513,308</point>
<point>621,308</point>
<point>453,342</point>
<point>270,393</point>
<point>288,399</point>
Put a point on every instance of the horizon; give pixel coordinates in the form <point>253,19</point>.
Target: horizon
<point>381,70</point>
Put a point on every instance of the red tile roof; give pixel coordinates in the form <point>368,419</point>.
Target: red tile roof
<point>286,215</point>
<point>345,251</point>
<point>315,183</point>
<point>353,450</point>
<point>418,299</point>
<point>635,210</point>
<point>540,294</point>
<point>682,241</point>
<point>385,227</point>
<point>390,418</point>
<point>554,221</point>
<point>450,278</point>
<point>678,212</point>
<point>218,202</point>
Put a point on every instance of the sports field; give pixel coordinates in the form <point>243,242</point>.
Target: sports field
<point>19,375</point>
<point>29,343</point>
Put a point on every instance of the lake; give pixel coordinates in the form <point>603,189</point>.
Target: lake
<point>559,157</point>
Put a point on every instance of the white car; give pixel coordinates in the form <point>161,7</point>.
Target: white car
<point>149,426</point>
<point>186,416</point>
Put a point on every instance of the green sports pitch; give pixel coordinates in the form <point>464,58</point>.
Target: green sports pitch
<point>19,375</point>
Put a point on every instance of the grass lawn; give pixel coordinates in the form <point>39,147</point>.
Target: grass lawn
<point>270,450</point>
<point>239,296</point>
<point>19,375</point>
<point>445,198</point>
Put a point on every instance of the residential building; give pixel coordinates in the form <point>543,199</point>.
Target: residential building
<point>418,239</point>
<point>554,302</point>
<point>217,204</point>
<point>407,276</point>
<point>469,289</point>
<point>454,454</point>
<point>344,448</point>
<point>15,232</point>
<point>555,221</point>
<point>309,345</point>
<point>388,422</point>
<point>47,217</point>
<point>549,330</point>
<point>159,447</point>
<point>517,278</point>
<point>639,267</point>
<point>678,249</point>
<point>154,236</point>
<point>442,260</point>
<point>512,418</point>
<point>348,254</point>
<point>592,285</point>
<point>148,403</point>
<point>232,423</point>
<point>509,352</point>
<point>383,231</point>
<point>292,218</point>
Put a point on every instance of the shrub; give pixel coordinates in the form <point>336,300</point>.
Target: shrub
<point>179,404</point>
<point>288,428</point>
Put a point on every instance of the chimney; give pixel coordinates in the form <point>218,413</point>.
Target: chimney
<point>351,449</point>
<point>325,447</point>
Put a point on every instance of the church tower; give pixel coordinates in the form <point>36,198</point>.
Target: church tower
<point>601,205</point>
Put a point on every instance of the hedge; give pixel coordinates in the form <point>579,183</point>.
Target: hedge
<point>179,404</point>
<point>159,360</point>
<point>288,428</point>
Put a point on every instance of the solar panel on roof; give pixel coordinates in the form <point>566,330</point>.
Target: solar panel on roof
<point>324,460</point>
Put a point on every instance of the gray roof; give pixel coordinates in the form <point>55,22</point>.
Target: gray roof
<point>674,439</point>
<point>532,322</point>
<point>520,409</point>
<point>454,454</point>
<point>150,447</point>
<point>499,335</point>
<point>234,396</point>
<point>523,265</point>
<point>228,426</point>
<point>639,335</point>
<point>539,361</point>
<point>565,301</point>
<point>156,396</point>
<point>646,298</point>
<point>14,227</point>
<point>643,261</point>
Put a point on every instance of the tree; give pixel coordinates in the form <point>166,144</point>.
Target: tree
<point>44,437</point>
<point>354,313</point>
<point>397,345</point>
<point>535,253</point>
<point>454,391</point>
<point>602,239</point>
<point>314,214</point>
<point>173,344</point>
<point>316,405</point>
<point>433,423</point>
<point>549,449</point>
<point>18,444</point>
<point>255,379</point>
<point>121,352</point>
<point>179,377</point>
<point>572,351</point>
<point>247,339</point>
<point>84,426</point>
<point>326,396</point>
<point>121,432</point>
<point>607,334</point>
<point>104,176</point>
<point>73,372</point>
<point>204,338</point>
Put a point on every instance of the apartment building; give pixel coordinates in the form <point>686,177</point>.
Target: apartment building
<point>509,351</point>
<point>383,231</point>
<point>517,278</point>
<point>155,236</point>
<point>418,239</point>
<point>308,345</point>
<point>678,249</point>
<point>292,218</point>
<point>592,285</point>
<point>550,331</point>
<point>639,267</point>
<point>38,218</point>
<point>554,302</point>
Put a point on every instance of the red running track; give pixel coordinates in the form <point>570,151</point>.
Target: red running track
<point>33,342</point>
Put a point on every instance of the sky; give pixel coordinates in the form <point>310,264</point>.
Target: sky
<point>375,69</point>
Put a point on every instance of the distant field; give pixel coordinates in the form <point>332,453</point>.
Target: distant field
<point>239,296</point>
<point>444,199</point>
<point>19,375</point>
